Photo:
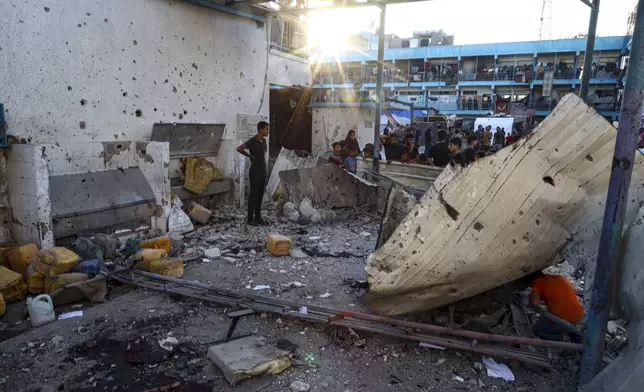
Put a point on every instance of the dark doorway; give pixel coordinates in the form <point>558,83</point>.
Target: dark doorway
<point>290,119</point>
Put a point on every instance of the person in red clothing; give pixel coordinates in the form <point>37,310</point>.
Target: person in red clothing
<point>559,296</point>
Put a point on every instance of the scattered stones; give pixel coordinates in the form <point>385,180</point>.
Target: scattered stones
<point>365,234</point>
<point>299,386</point>
<point>290,212</point>
<point>57,340</point>
<point>325,295</point>
<point>479,366</point>
<point>612,327</point>
<point>458,378</point>
<point>297,253</point>
<point>212,253</point>
<point>230,259</point>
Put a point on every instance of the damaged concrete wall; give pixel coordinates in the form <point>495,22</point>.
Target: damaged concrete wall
<point>332,125</point>
<point>287,160</point>
<point>328,186</point>
<point>29,192</point>
<point>83,71</point>
<point>151,158</point>
<point>32,166</point>
<point>5,205</point>
<point>503,217</point>
<point>288,70</point>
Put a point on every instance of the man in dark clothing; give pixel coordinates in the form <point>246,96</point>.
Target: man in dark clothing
<point>454,147</point>
<point>411,151</point>
<point>470,152</point>
<point>439,153</point>
<point>394,151</point>
<point>255,149</point>
<point>499,139</point>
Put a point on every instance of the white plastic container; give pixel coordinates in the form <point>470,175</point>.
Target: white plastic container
<point>41,310</point>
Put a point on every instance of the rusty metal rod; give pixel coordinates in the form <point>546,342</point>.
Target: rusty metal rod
<point>315,314</point>
<point>462,332</point>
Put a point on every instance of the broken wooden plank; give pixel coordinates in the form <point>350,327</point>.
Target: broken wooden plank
<point>500,218</point>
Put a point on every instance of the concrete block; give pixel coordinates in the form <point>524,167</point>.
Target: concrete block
<point>248,357</point>
<point>328,186</point>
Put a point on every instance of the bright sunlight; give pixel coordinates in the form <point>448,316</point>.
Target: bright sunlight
<point>332,31</point>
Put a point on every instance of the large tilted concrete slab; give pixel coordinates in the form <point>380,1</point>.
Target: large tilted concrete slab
<point>500,218</point>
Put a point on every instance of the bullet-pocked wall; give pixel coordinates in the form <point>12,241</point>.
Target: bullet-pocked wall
<point>93,70</point>
<point>333,124</point>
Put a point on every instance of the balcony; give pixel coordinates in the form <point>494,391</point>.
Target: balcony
<point>475,105</point>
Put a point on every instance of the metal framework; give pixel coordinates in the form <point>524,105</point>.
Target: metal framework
<point>630,122</point>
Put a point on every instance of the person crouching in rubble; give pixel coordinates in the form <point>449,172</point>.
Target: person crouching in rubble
<point>255,148</point>
<point>560,298</point>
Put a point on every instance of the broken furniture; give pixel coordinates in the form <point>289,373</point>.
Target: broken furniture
<point>502,217</point>
<point>193,140</point>
<point>62,190</point>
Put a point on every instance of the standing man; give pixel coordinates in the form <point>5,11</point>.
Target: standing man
<point>255,149</point>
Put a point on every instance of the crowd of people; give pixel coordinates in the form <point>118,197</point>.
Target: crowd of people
<point>442,148</point>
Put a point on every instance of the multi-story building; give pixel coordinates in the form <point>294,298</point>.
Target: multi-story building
<point>474,80</point>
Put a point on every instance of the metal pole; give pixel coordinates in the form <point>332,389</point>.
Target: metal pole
<point>616,201</point>
<point>379,96</point>
<point>588,54</point>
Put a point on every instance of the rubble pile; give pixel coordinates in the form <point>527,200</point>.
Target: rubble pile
<point>305,213</point>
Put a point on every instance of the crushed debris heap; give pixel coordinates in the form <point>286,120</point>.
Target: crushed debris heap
<point>500,218</point>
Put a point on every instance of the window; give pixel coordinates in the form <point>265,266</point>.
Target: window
<point>405,43</point>
<point>288,36</point>
<point>469,92</point>
<point>424,42</point>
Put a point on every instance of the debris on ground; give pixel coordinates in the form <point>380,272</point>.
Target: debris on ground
<point>168,343</point>
<point>199,213</point>
<point>497,370</point>
<point>299,386</point>
<point>178,221</point>
<point>278,245</point>
<point>41,310</point>
<point>248,357</point>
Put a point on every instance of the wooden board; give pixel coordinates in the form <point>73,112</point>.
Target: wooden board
<point>500,218</point>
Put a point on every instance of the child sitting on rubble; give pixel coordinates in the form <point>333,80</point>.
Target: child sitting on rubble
<point>336,158</point>
<point>561,301</point>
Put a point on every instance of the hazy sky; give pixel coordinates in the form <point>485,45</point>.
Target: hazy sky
<point>474,21</point>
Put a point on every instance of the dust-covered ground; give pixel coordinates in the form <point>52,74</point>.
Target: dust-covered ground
<point>114,346</point>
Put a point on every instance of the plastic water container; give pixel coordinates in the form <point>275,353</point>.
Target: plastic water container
<point>41,310</point>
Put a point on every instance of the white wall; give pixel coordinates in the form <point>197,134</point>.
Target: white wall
<point>170,58</point>
<point>169,61</point>
<point>288,70</point>
<point>332,125</point>
<point>28,180</point>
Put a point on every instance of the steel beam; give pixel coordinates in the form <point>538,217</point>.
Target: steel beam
<point>379,95</point>
<point>616,201</point>
<point>590,47</point>
<point>228,10</point>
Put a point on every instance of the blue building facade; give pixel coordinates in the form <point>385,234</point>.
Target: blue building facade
<point>475,80</point>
